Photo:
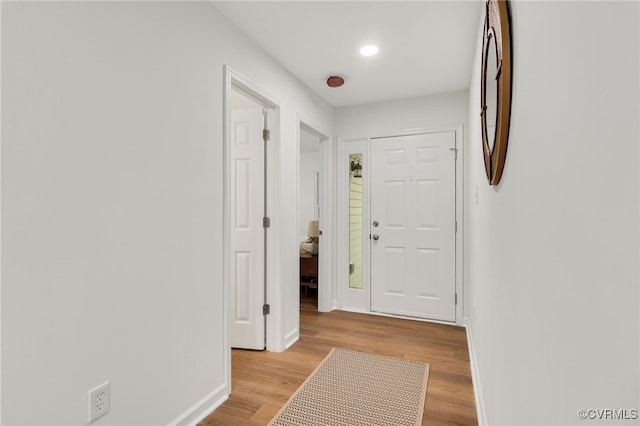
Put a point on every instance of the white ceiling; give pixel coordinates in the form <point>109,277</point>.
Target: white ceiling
<point>426,47</point>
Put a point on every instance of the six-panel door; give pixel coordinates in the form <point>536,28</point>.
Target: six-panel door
<point>413,246</point>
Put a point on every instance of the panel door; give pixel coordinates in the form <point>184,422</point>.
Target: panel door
<point>413,244</point>
<point>247,233</point>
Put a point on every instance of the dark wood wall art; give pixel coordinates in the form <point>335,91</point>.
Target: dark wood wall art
<point>496,88</point>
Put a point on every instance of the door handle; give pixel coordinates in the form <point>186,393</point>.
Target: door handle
<point>375,237</point>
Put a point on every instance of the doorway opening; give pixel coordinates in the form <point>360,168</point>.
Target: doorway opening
<point>315,228</point>
<point>399,229</point>
<point>250,145</point>
<point>310,187</point>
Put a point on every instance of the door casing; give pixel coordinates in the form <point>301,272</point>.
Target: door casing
<point>342,251</point>
<point>326,286</point>
<point>235,81</point>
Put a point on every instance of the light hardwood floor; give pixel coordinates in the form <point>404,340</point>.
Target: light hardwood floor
<point>263,381</point>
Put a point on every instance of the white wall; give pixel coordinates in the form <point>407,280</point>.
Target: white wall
<point>553,250</point>
<point>381,118</point>
<point>112,205</point>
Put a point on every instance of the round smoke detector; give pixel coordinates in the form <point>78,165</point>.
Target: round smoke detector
<point>335,81</point>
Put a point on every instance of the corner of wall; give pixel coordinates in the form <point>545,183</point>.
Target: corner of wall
<point>201,409</point>
<point>475,376</point>
<point>291,338</point>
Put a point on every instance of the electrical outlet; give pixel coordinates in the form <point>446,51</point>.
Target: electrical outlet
<point>99,401</point>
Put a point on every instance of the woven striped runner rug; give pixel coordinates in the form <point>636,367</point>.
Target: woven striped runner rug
<point>351,388</point>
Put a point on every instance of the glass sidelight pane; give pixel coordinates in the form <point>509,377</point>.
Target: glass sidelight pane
<point>355,221</point>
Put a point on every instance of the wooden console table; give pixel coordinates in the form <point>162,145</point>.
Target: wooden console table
<point>308,271</point>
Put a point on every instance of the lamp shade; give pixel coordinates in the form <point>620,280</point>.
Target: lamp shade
<point>312,232</point>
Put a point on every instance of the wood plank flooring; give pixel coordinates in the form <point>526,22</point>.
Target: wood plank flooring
<point>263,381</point>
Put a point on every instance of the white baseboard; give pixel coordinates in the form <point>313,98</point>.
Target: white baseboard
<point>356,310</point>
<point>475,376</point>
<point>202,408</point>
<point>291,338</point>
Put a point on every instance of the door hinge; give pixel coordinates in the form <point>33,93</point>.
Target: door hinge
<point>266,309</point>
<point>266,222</point>
<point>266,134</point>
<point>456,302</point>
<point>456,226</point>
<point>455,151</point>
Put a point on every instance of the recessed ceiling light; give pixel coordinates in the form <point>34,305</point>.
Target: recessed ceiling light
<point>369,50</point>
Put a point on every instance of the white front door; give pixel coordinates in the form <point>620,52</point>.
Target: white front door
<point>413,225</point>
<point>247,233</point>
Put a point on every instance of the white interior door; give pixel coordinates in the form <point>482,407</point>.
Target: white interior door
<point>413,244</point>
<point>247,233</point>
